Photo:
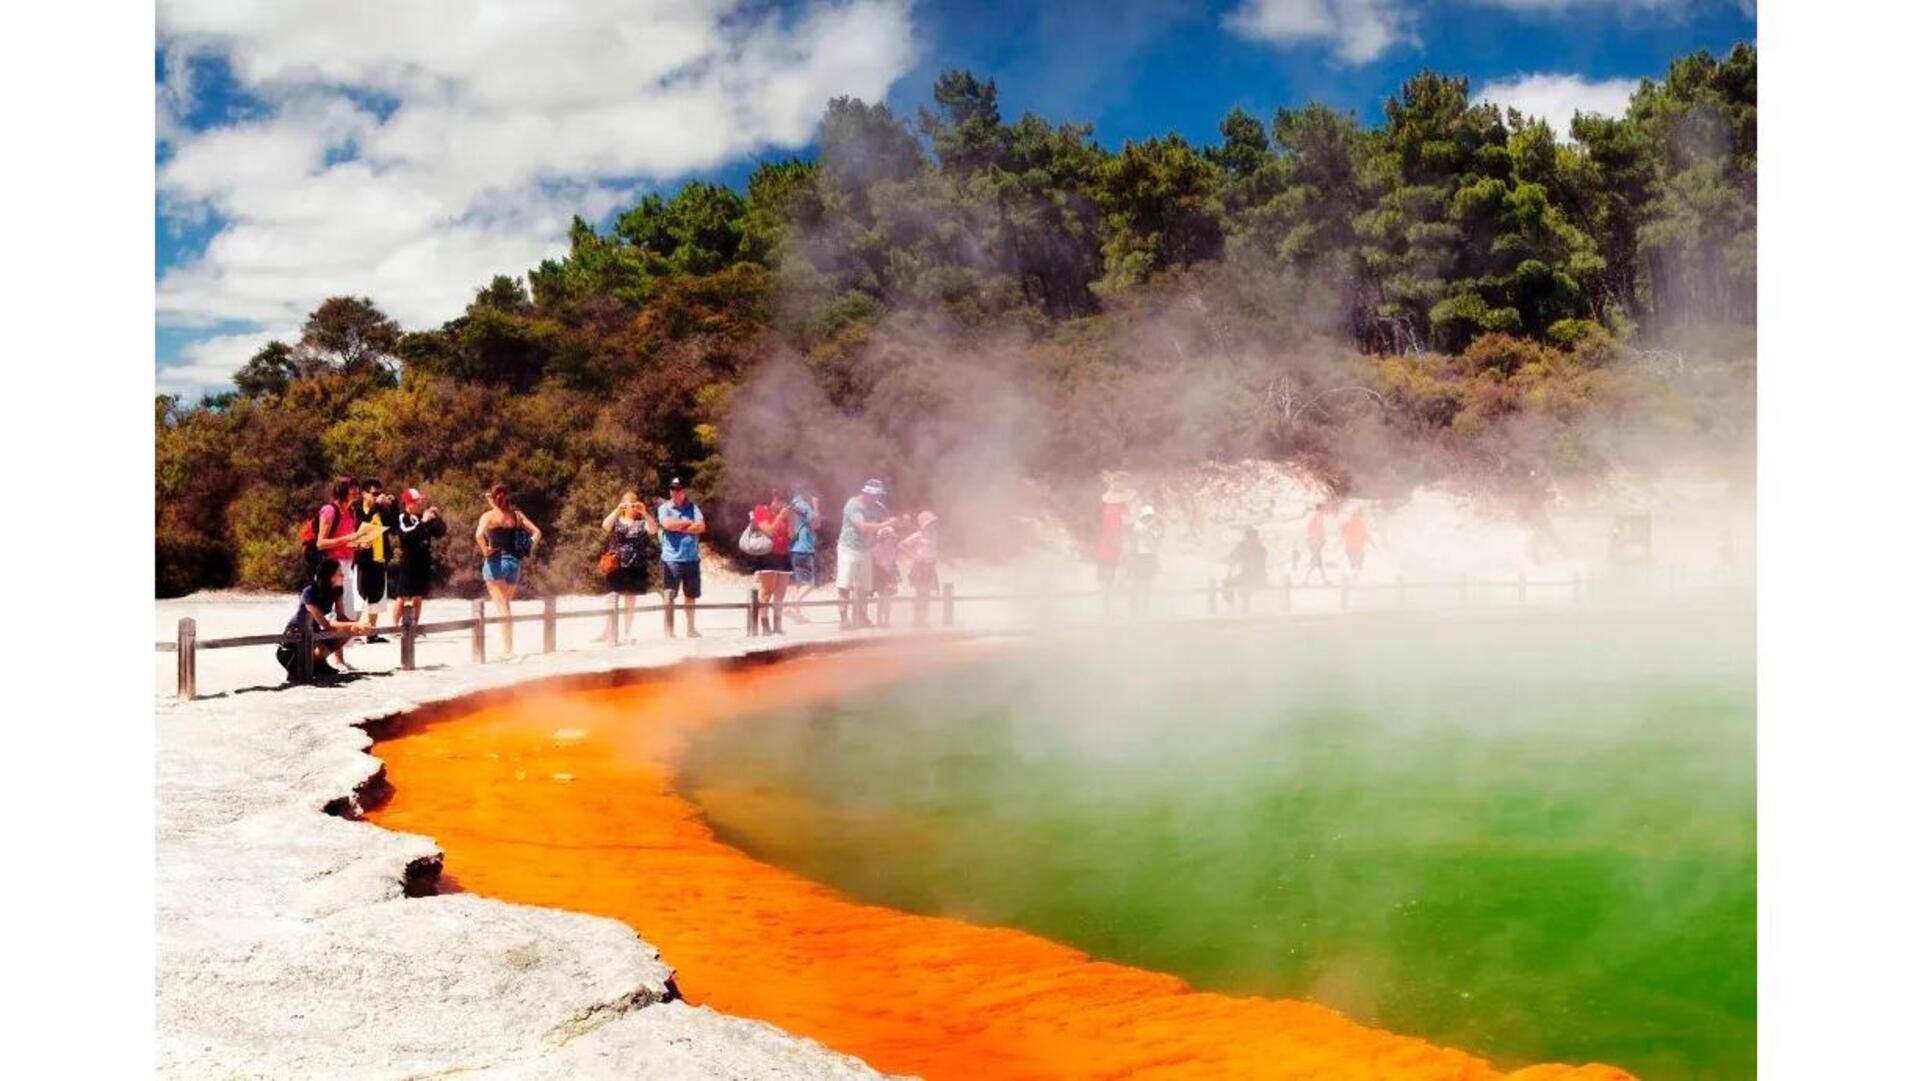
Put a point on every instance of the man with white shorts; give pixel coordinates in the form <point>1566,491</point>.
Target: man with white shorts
<point>862,517</point>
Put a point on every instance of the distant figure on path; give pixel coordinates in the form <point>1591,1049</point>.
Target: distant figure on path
<point>681,524</point>
<point>382,518</point>
<point>921,550</point>
<point>317,597</point>
<point>420,525</point>
<point>805,522</point>
<point>1143,561</point>
<point>1246,569</point>
<point>773,520</point>
<point>885,552</point>
<point>860,519</point>
<point>1110,544</point>
<point>1355,539</point>
<point>628,528</point>
<point>505,537</point>
<point>1317,544</point>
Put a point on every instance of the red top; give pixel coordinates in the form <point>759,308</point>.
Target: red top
<point>341,522</point>
<point>764,519</point>
<point>1113,526</point>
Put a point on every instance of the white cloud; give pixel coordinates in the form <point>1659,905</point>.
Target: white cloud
<point>1557,97</point>
<point>209,363</point>
<point>1360,30</point>
<point>410,151</point>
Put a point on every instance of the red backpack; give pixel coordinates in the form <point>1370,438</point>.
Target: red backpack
<point>310,537</point>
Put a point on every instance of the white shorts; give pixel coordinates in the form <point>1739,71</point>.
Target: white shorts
<point>349,603</point>
<point>853,570</point>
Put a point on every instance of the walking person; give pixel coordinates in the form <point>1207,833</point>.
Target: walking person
<point>506,537</point>
<point>1317,544</point>
<point>885,553</point>
<point>1246,569</point>
<point>681,525</point>
<point>771,569</point>
<point>317,598</point>
<point>921,550</point>
<point>1110,543</point>
<point>1143,561</point>
<point>1355,540</point>
<point>624,565</point>
<point>419,526</point>
<point>862,517</point>
<point>370,563</point>
<point>804,520</point>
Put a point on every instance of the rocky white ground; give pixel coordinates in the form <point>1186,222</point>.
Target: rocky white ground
<point>287,945</point>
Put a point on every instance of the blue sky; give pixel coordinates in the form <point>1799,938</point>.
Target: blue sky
<point>323,148</point>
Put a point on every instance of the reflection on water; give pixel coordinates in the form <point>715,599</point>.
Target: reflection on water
<point>1530,838</point>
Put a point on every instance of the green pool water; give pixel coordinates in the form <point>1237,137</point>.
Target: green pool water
<point>1529,837</point>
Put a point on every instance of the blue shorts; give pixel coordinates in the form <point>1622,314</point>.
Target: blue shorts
<point>501,567</point>
<point>805,571</point>
<point>675,577</point>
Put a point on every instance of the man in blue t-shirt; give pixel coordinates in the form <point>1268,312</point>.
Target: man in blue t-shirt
<point>863,516</point>
<point>805,517</point>
<point>681,524</point>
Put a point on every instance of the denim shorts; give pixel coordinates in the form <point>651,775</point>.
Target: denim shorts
<point>805,571</point>
<point>501,567</point>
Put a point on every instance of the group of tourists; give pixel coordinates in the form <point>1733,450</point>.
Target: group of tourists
<point>364,545</point>
<point>361,546</point>
<point>1130,536</point>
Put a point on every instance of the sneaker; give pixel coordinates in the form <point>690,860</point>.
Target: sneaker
<point>376,639</point>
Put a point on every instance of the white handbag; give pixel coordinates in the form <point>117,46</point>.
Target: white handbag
<point>755,543</point>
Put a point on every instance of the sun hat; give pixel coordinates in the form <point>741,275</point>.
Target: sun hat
<point>873,487</point>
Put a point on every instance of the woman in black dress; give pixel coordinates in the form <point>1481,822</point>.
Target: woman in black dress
<point>628,528</point>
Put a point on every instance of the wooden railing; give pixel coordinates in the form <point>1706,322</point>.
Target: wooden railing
<point>187,645</point>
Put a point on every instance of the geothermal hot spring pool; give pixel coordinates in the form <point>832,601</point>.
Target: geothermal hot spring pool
<point>1486,843</point>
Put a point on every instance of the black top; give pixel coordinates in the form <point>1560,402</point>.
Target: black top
<point>416,543</point>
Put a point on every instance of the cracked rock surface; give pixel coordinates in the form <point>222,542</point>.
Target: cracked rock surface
<point>287,944</point>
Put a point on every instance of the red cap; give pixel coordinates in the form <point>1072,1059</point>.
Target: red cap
<point>412,495</point>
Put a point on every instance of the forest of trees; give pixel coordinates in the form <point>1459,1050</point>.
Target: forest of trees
<point>1451,291</point>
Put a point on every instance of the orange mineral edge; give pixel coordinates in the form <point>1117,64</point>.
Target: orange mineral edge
<point>567,800</point>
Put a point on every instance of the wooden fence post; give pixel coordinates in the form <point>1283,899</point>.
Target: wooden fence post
<point>549,624</point>
<point>185,645</point>
<point>479,632</point>
<point>613,620</point>
<point>666,611</point>
<point>303,663</point>
<point>408,617</point>
<point>753,612</point>
<point>946,604</point>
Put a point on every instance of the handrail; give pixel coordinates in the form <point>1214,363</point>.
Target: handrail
<point>186,645</point>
